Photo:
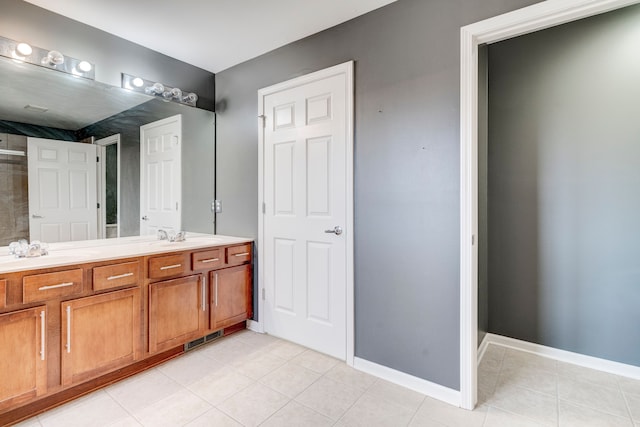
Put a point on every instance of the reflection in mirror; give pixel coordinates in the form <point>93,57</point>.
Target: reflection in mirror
<point>38,103</point>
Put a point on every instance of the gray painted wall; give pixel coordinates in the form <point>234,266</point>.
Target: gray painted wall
<point>483,220</point>
<point>112,55</point>
<point>406,169</point>
<point>564,180</point>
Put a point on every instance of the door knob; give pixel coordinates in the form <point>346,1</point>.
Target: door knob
<point>337,230</point>
<point>145,218</point>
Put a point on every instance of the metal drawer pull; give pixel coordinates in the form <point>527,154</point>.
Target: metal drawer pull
<point>168,267</point>
<point>42,334</point>
<point>209,260</point>
<point>68,329</point>
<point>119,276</point>
<point>242,254</point>
<point>60,285</point>
<point>216,289</point>
<point>204,293</point>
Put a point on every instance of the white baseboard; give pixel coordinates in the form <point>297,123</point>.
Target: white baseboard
<point>483,347</point>
<point>591,362</point>
<point>420,385</point>
<point>254,326</point>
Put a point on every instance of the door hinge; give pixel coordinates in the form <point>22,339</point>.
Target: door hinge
<point>263,294</point>
<point>176,206</point>
<point>264,208</point>
<point>473,239</point>
<point>264,120</point>
<point>97,159</point>
<point>98,205</point>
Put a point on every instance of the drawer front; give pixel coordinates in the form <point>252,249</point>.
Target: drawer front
<point>237,255</point>
<point>207,260</point>
<point>3,293</point>
<point>41,287</point>
<point>168,266</point>
<point>116,275</point>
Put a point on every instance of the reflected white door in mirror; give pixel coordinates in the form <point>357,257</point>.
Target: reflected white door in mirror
<point>161,176</point>
<point>62,197</point>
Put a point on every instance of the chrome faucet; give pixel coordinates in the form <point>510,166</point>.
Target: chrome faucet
<point>180,236</point>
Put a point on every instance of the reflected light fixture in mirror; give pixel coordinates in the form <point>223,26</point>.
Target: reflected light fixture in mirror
<point>138,84</point>
<point>53,59</point>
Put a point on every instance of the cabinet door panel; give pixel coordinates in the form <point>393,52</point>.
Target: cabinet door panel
<point>230,296</point>
<point>99,334</point>
<point>23,368</point>
<point>177,312</point>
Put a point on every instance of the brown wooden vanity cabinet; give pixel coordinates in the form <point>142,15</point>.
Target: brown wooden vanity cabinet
<point>100,333</point>
<point>23,361</point>
<point>177,312</point>
<point>65,331</point>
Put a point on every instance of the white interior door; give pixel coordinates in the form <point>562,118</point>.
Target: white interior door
<point>107,228</point>
<point>62,190</point>
<point>307,220</point>
<point>160,175</point>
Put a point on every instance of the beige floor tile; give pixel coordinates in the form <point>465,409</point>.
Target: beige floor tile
<point>347,375</point>
<point>579,416</point>
<point>254,339</point>
<point>629,385</point>
<point>214,417</point>
<point>189,368</point>
<point>434,410</point>
<point>297,415</point>
<point>259,365</point>
<point>329,397</point>
<point>533,378</point>
<point>126,422</point>
<point>492,359</point>
<point>582,374</point>
<point>585,393</point>
<point>253,405</point>
<point>219,387</point>
<point>633,402</point>
<point>541,407</point>
<point>285,349</point>
<point>315,361</point>
<point>143,390</point>
<point>290,379</point>
<point>396,394</point>
<point>175,410</point>
<point>373,411</point>
<point>499,418</point>
<point>515,359</point>
<point>96,409</point>
<point>227,350</point>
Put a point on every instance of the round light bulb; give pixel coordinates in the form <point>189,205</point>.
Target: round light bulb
<point>84,66</point>
<point>158,88</point>
<point>53,58</point>
<point>24,49</point>
<point>137,82</point>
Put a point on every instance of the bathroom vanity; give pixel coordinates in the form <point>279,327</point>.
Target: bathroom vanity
<point>93,312</point>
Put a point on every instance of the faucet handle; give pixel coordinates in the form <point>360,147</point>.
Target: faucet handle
<point>162,234</point>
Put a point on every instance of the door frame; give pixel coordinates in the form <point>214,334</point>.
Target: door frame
<point>101,181</point>
<point>539,16</point>
<point>347,69</point>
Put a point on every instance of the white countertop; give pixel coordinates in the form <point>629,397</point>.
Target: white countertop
<point>73,253</point>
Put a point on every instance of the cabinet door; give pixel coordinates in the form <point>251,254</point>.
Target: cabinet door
<point>23,368</point>
<point>100,334</point>
<point>230,296</point>
<point>177,312</point>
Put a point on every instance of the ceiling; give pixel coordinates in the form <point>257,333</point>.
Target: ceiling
<point>212,34</point>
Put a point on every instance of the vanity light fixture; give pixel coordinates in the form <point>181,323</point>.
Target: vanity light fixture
<point>48,58</point>
<point>167,93</point>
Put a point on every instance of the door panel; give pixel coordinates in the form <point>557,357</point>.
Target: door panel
<point>305,190</point>
<point>62,190</point>
<point>160,175</point>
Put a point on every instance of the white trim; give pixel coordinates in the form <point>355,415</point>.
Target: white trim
<point>346,69</point>
<point>420,385</point>
<point>103,143</point>
<point>533,18</point>
<point>254,326</point>
<point>585,361</point>
<point>482,349</point>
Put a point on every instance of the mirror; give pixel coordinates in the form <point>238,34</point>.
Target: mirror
<point>41,103</point>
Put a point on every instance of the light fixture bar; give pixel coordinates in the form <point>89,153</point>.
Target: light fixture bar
<point>53,59</point>
<point>167,93</point>
<point>12,152</point>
